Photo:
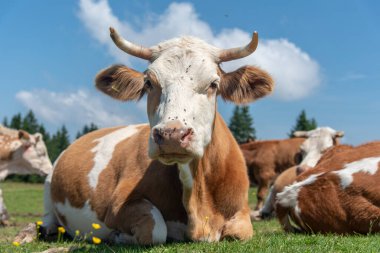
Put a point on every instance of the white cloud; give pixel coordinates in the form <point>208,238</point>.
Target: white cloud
<point>296,73</point>
<point>76,108</point>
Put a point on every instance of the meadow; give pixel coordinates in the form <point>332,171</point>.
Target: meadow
<point>25,204</point>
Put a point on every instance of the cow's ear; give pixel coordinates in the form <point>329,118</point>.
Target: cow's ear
<point>23,135</point>
<point>245,84</point>
<point>121,82</point>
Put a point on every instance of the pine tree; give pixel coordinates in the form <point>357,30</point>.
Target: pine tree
<point>303,123</point>
<point>59,142</point>
<point>241,124</point>
<point>86,129</point>
<point>5,122</point>
<point>16,121</point>
<point>29,123</point>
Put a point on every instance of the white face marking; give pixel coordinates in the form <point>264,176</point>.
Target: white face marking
<point>159,232</point>
<point>318,141</point>
<point>81,219</point>
<point>185,69</point>
<point>289,196</point>
<point>185,175</point>
<point>366,165</point>
<point>104,149</point>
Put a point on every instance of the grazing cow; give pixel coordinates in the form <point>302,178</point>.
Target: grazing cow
<point>181,176</point>
<point>317,143</point>
<point>21,153</point>
<point>266,159</point>
<point>340,195</point>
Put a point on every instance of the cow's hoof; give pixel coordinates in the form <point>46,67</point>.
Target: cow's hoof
<point>255,215</point>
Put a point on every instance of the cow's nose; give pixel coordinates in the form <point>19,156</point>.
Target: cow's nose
<point>173,134</point>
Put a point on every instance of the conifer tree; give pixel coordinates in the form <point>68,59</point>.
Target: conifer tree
<point>86,129</point>
<point>241,125</point>
<point>16,121</point>
<point>5,122</point>
<point>303,123</point>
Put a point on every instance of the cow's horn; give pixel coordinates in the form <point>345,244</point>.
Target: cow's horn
<point>239,52</point>
<point>130,48</point>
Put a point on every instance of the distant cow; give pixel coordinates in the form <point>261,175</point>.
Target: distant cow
<point>317,143</point>
<point>266,159</point>
<point>181,176</point>
<point>21,153</point>
<point>340,195</point>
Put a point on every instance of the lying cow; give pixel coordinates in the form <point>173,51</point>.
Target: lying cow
<point>266,159</point>
<point>21,153</point>
<point>317,143</point>
<point>340,195</point>
<point>183,175</point>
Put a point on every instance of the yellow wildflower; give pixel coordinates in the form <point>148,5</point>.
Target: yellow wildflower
<point>96,240</point>
<point>61,230</point>
<point>39,223</point>
<point>77,232</point>
<point>206,218</point>
<point>16,244</point>
<point>96,226</point>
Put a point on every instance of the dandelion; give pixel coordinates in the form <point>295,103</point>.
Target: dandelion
<point>96,226</point>
<point>61,230</point>
<point>16,244</point>
<point>77,233</point>
<point>96,240</point>
<point>206,219</point>
<point>39,223</point>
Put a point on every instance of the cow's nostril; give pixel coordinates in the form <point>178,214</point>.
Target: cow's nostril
<point>187,135</point>
<point>158,137</point>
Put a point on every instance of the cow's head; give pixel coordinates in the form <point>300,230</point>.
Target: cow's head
<point>317,142</point>
<point>30,154</point>
<point>182,83</point>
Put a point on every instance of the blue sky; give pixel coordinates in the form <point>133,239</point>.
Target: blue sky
<point>324,56</point>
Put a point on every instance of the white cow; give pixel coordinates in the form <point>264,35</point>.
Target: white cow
<point>21,153</point>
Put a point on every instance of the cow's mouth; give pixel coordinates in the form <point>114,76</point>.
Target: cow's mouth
<point>171,158</point>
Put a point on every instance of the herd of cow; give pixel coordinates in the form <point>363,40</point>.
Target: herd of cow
<point>183,176</point>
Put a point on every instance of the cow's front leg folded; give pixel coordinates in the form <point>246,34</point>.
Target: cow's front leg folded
<point>137,222</point>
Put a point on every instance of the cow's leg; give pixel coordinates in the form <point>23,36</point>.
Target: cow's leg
<point>266,178</point>
<point>4,217</point>
<point>137,222</point>
<point>239,226</point>
<point>176,231</point>
<point>50,221</point>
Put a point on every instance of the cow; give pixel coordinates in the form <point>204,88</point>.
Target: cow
<point>182,176</point>
<point>21,153</point>
<point>266,159</point>
<point>317,142</point>
<point>340,195</point>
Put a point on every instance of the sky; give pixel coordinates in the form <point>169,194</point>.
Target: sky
<point>324,56</point>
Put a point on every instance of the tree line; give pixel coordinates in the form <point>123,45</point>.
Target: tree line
<point>241,124</point>
<point>55,142</point>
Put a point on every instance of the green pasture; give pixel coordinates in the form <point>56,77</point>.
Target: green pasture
<point>24,202</point>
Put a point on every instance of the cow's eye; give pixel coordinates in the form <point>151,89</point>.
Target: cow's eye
<point>148,85</point>
<point>214,85</point>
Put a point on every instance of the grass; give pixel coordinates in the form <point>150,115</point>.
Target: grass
<point>24,202</point>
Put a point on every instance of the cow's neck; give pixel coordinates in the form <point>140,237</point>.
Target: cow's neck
<point>201,180</point>
<point>12,167</point>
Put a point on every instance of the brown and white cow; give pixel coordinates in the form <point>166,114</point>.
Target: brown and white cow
<point>340,195</point>
<point>183,175</point>
<point>317,142</point>
<point>21,153</point>
<point>266,159</point>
